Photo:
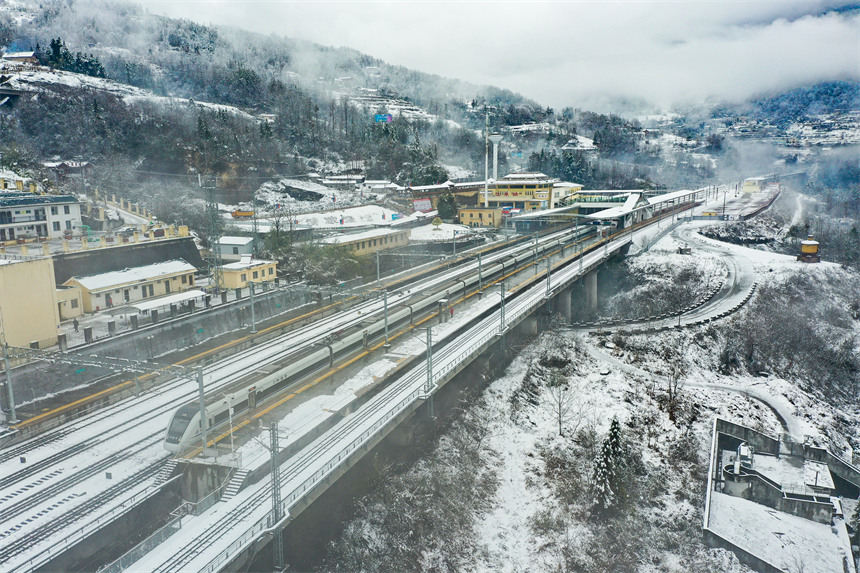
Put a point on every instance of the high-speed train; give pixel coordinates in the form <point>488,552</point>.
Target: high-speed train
<point>184,429</point>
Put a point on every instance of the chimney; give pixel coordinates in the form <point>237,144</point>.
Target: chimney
<point>495,138</point>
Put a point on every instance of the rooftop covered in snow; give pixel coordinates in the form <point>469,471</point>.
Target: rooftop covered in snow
<point>135,274</point>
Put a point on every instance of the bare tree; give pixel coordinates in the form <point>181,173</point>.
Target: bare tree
<point>676,371</point>
<point>566,402</point>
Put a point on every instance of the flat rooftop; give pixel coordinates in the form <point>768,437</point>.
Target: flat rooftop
<point>781,539</point>
<point>352,237</point>
<point>792,473</point>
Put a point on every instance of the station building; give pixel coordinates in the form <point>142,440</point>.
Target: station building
<point>248,270</point>
<point>527,192</point>
<point>131,285</point>
<point>368,242</point>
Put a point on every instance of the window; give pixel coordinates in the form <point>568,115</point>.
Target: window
<point>191,279</point>
<point>151,290</point>
<point>166,286</point>
<point>66,209</point>
<point>235,250</point>
<point>53,210</point>
<point>271,270</point>
<point>244,277</point>
<point>68,225</point>
<point>73,303</point>
<point>184,279</point>
<point>56,225</point>
<point>256,274</point>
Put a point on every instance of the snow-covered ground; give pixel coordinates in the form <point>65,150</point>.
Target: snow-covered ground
<point>529,528</point>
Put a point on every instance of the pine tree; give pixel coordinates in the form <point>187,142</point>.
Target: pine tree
<point>601,481</point>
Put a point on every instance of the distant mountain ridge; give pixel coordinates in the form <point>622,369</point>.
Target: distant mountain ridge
<point>798,103</point>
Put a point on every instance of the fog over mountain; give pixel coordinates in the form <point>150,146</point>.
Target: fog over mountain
<point>591,55</point>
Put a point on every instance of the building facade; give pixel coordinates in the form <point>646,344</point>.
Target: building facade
<point>248,270</point>
<point>29,216</point>
<point>116,288</point>
<point>525,191</point>
<point>28,303</point>
<point>234,248</point>
<point>480,216</point>
<point>368,242</point>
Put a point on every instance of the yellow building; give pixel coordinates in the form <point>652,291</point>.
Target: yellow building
<point>70,304</point>
<point>135,284</point>
<point>368,242</point>
<point>527,191</point>
<point>247,270</point>
<point>28,302</point>
<point>480,216</point>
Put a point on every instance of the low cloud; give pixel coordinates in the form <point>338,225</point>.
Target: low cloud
<point>578,54</point>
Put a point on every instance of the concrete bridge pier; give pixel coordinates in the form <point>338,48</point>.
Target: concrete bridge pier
<point>563,304</point>
<point>530,325</point>
<point>590,284</point>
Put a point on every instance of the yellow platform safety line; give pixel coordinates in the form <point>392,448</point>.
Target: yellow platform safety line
<point>195,452</point>
<point>126,383</point>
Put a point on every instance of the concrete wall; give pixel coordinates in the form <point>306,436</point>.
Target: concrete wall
<point>28,302</point>
<point>759,441</point>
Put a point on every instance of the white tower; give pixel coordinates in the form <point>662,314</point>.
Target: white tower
<point>495,138</point>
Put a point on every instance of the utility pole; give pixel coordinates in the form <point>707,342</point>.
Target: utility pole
<point>6,364</point>
<point>253,315</point>
<point>548,279</point>
<point>502,310</point>
<point>480,275</point>
<point>428,386</point>
<point>385,312</point>
<point>277,541</point>
<point>486,158</point>
<point>204,423</point>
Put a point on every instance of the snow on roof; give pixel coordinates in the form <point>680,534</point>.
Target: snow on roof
<point>779,538</point>
<point>135,274</point>
<point>246,264</point>
<point>525,176</point>
<point>579,142</point>
<point>670,196</point>
<point>235,240</point>
<point>150,304</point>
<point>349,238</point>
<point>544,212</point>
<point>10,55</point>
<point>21,199</point>
<point>445,232</point>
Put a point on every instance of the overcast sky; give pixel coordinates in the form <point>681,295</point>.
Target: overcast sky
<point>576,53</point>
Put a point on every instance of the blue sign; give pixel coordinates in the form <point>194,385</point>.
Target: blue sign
<point>383,118</point>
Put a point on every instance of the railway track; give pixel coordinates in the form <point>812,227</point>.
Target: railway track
<point>44,498</point>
